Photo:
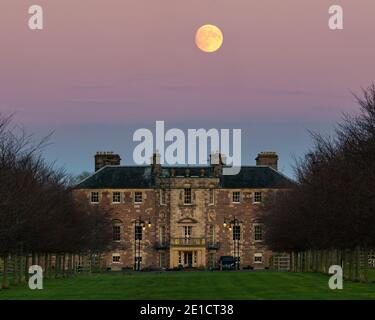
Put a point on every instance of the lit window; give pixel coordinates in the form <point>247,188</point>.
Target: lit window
<point>187,196</point>
<point>236,196</point>
<point>212,196</point>
<point>94,197</point>
<point>116,197</point>
<point>162,196</point>
<point>258,233</point>
<point>116,257</point>
<point>116,231</point>
<point>257,197</point>
<point>138,197</point>
<point>236,232</point>
<point>258,258</point>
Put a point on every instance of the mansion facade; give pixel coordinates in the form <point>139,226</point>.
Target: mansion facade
<point>191,216</point>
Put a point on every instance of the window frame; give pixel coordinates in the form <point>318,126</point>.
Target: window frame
<point>136,195</point>
<point>258,225</point>
<point>163,197</point>
<point>258,255</point>
<point>188,199</point>
<point>116,255</point>
<point>211,200</point>
<point>235,193</point>
<point>138,230</point>
<point>259,194</point>
<point>116,233</point>
<point>236,234</point>
<point>113,196</point>
<point>91,197</point>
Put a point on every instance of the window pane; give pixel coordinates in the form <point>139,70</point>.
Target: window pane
<point>138,232</point>
<point>94,197</point>
<point>236,196</point>
<point>116,233</point>
<point>187,195</point>
<point>116,197</point>
<point>258,233</point>
<point>236,232</point>
<point>258,197</point>
<point>138,197</point>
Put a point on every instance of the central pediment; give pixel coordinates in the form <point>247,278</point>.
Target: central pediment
<point>187,220</point>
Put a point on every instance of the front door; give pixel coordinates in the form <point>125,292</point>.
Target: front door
<point>188,259</point>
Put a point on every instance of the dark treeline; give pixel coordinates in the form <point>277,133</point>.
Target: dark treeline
<point>40,220</point>
<point>328,216</point>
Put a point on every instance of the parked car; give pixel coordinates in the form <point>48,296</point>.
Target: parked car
<point>227,263</point>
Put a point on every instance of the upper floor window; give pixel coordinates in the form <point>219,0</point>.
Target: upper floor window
<point>236,232</point>
<point>138,232</point>
<point>116,197</point>
<point>138,197</point>
<point>257,197</point>
<point>212,196</point>
<point>162,196</point>
<point>187,196</point>
<point>116,230</point>
<point>187,231</point>
<point>211,234</point>
<point>162,238</point>
<point>236,197</point>
<point>258,232</point>
<point>94,197</point>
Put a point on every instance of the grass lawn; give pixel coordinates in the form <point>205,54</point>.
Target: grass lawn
<point>193,285</point>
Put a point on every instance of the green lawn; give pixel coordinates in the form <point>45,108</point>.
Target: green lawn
<point>193,285</point>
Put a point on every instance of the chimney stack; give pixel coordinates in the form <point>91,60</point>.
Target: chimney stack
<point>217,161</point>
<point>155,163</point>
<point>269,159</point>
<point>106,159</point>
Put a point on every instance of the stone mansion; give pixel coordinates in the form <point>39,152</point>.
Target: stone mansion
<point>168,217</point>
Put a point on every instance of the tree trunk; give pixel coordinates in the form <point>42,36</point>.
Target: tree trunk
<point>5,282</point>
<point>22,269</point>
<point>365,265</point>
<point>45,271</point>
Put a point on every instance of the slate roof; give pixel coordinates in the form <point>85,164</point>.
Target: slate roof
<point>255,177</point>
<point>123,177</point>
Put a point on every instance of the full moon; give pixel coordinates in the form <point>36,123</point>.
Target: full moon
<point>209,38</point>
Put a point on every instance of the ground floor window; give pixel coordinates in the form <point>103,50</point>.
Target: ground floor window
<point>116,257</point>
<point>258,258</point>
<point>162,260</point>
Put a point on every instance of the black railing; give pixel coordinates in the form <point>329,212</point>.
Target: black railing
<point>213,245</point>
<point>161,245</point>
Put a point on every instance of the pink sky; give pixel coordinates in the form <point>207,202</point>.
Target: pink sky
<point>134,61</point>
